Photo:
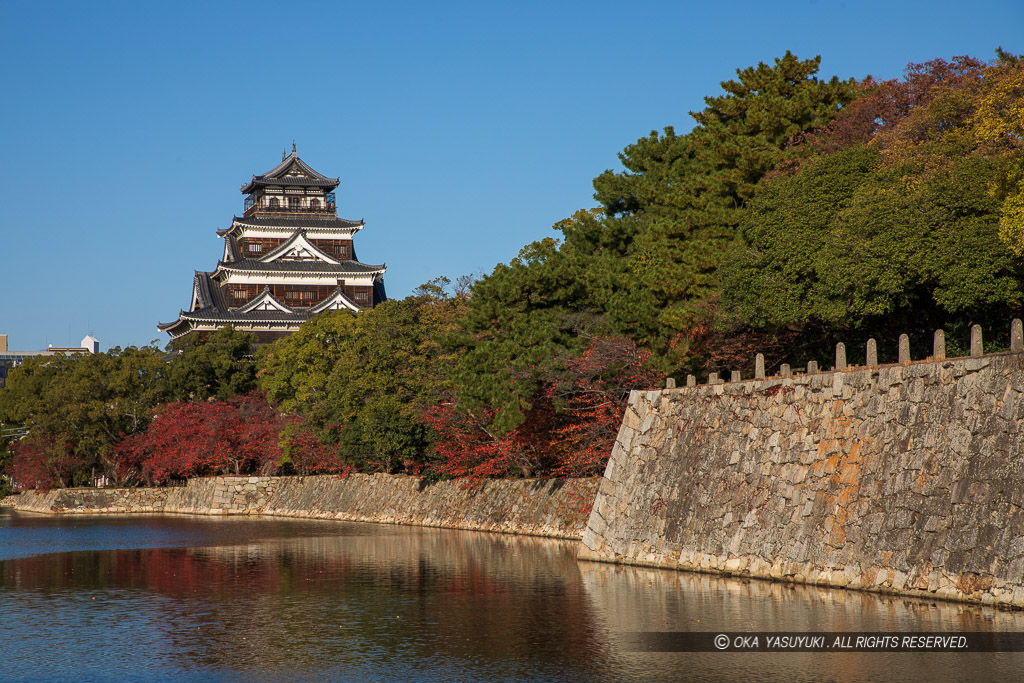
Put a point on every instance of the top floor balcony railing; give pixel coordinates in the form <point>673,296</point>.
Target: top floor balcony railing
<point>328,208</point>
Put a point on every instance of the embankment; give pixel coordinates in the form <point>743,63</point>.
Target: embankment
<point>538,507</point>
<point>904,478</point>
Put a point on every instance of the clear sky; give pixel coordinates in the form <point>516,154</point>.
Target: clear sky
<point>460,130</point>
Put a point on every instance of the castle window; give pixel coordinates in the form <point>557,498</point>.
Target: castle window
<point>273,203</point>
<point>314,203</point>
<point>294,202</point>
<point>300,297</point>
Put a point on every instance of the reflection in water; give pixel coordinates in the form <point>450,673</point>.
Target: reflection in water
<point>639,599</point>
<point>292,599</point>
<point>365,600</point>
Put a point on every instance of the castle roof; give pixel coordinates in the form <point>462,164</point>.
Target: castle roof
<point>209,307</point>
<point>306,266</point>
<point>291,172</point>
<point>291,223</point>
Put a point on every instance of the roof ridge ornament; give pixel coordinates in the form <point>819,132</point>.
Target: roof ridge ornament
<point>293,148</point>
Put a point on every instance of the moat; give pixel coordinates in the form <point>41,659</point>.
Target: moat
<point>190,598</point>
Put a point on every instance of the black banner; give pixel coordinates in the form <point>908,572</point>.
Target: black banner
<point>798,641</point>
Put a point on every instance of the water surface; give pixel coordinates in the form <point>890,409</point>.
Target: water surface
<point>198,598</point>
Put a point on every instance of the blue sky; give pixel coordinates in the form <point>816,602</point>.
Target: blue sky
<point>460,130</point>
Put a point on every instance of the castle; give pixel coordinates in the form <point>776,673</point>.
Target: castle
<point>287,258</point>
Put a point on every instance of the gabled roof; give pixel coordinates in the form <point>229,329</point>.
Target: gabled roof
<point>291,172</point>
<point>265,302</point>
<point>300,248</point>
<point>335,301</point>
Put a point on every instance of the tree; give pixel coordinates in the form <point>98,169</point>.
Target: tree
<point>186,439</point>
<point>877,114</point>
<point>568,429</point>
<point>294,370</point>
<point>468,446</point>
<point>521,320</point>
<point>647,264</point>
<point>220,365</point>
<point>77,408</point>
<point>998,126</point>
<point>679,202</point>
<point>303,453</point>
<point>593,393</point>
<point>361,380</point>
<point>43,461</point>
<point>896,233</point>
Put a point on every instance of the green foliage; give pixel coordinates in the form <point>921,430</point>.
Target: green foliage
<point>219,366</point>
<point>294,370</point>
<point>900,234</point>
<point>678,205</point>
<point>5,461</point>
<point>86,402</point>
<point>522,319</point>
<point>598,252</point>
<point>1011,222</point>
<point>797,212</point>
<point>360,380</point>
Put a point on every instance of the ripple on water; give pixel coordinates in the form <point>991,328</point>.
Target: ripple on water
<point>189,598</point>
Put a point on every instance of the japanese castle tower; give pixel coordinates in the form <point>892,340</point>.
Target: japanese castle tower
<point>287,258</point>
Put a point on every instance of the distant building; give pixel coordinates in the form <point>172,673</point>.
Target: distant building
<point>287,258</point>
<point>12,359</point>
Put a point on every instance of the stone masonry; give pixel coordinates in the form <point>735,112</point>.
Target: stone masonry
<point>555,508</point>
<point>905,478</point>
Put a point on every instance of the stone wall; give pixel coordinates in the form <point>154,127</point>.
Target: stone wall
<point>538,507</point>
<point>905,478</point>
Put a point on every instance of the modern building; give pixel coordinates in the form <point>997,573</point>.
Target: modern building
<point>12,359</point>
<point>287,258</point>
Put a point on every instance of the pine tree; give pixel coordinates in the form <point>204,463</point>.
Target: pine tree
<point>681,197</point>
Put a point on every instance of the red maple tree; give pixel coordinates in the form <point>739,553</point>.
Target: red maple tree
<point>42,461</point>
<point>595,390</point>
<point>237,436</point>
<point>567,432</point>
<point>304,453</point>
